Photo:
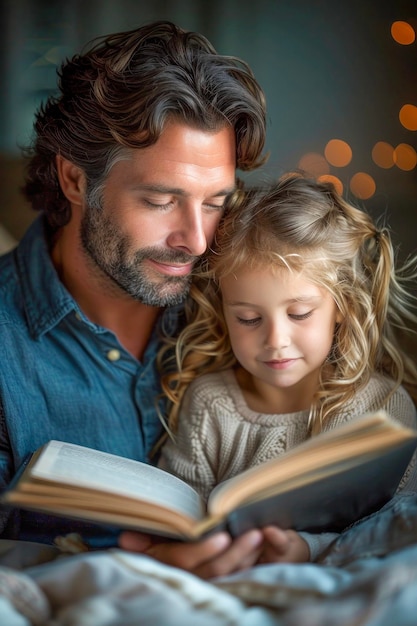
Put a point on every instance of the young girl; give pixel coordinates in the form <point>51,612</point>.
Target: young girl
<point>293,325</point>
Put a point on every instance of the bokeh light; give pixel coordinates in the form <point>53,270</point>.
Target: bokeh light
<point>362,185</point>
<point>329,178</point>
<point>405,157</point>
<point>408,116</point>
<point>338,153</point>
<point>403,33</point>
<point>383,154</point>
<point>314,164</point>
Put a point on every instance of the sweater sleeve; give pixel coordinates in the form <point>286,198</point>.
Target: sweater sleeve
<point>318,542</point>
<point>401,407</point>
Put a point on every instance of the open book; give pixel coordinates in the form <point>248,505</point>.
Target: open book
<point>323,484</point>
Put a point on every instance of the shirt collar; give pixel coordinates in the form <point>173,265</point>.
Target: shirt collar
<point>46,301</point>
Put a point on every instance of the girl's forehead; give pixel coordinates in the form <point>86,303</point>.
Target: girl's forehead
<point>253,275</point>
<point>255,267</point>
<point>270,289</point>
<point>311,264</point>
<point>301,277</point>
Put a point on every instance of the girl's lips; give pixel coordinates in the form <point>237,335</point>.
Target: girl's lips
<point>282,364</point>
<point>172,270</point>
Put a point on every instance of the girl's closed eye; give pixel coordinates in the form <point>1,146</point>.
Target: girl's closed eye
<point>253,321</point>
<point>300,316</point>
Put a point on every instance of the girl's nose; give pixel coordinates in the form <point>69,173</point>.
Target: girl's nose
<point>277,337</point>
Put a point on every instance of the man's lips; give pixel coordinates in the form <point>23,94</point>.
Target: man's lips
<point>172,269</point>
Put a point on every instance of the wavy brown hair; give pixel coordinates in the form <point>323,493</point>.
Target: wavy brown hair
<point>304,226</point>
<point>119,95</point>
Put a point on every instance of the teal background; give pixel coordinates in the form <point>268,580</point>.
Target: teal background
<point>329,70</point>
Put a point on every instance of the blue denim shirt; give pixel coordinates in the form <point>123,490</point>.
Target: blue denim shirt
<point>63,377</point>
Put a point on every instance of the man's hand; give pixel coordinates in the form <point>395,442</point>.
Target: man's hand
<point>217,555</point>
<point>283,546</point>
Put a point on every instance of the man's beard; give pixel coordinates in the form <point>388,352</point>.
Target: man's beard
<point>111,251</point>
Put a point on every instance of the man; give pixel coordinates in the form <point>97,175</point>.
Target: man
<point>130,168</point>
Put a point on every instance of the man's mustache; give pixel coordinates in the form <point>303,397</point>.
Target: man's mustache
<point>165,256</point>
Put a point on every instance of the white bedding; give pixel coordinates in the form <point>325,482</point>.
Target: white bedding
<point>369,577</point>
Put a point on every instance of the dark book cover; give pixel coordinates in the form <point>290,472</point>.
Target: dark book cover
<point>329,503</point>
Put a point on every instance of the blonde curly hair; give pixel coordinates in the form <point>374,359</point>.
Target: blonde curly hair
<point>305,226</point>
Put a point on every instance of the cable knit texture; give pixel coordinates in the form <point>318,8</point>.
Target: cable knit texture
<point>219,436</point>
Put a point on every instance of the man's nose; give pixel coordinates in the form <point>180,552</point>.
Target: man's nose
<point>189,234</point>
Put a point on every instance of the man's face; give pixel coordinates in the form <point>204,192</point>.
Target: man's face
<point>160,211</point>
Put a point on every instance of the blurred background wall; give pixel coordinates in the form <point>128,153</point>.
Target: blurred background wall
<point>340,80</point>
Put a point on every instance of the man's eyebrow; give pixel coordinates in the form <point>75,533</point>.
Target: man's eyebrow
<point>177,191</point>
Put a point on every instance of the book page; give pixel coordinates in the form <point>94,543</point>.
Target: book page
<point>76,465</point>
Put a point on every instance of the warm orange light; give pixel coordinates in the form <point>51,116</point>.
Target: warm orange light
<point>314,164</point>
<point>383,154</point>
<point>329,178</point>
<point>405,157</point>
<point>403,33</point>
<point>408,116</point>
<point>362,185</point>
<point>338,152</point>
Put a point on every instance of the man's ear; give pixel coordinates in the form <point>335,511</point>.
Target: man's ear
<point>72,180</point>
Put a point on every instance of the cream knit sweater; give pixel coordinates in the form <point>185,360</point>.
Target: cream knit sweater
<point>219,436</point>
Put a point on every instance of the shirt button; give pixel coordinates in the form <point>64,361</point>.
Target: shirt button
<point>78,316</point>
<point>113,355</point>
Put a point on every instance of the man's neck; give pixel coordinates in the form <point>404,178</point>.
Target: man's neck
<point>132,322</point>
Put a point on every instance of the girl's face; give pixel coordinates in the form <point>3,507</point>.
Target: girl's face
<point>281,329</point>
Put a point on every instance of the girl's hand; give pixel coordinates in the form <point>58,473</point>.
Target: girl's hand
<point>283,546</point>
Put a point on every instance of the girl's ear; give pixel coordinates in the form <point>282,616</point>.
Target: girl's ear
<point>72,180</point>
<point>339,316</point>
